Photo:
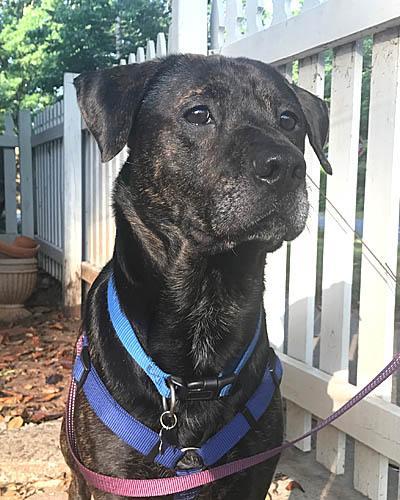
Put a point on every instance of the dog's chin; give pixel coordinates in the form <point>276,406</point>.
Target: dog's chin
<point>270,232</point>
<point>275,229</point>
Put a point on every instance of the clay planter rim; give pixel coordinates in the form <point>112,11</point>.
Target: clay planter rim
<point>25,242</point>
<point>18,249</point>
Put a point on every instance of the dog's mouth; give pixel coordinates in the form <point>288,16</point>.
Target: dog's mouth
<point>282,220</point>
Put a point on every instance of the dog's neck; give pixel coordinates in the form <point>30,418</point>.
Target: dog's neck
<point>200,312</point>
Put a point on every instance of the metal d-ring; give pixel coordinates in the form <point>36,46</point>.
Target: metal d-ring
<point>172,424</point>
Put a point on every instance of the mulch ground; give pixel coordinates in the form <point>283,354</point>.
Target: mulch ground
<point>35,367</point>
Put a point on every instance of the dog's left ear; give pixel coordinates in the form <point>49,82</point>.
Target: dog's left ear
<point>109,100</point>
<point>316,112</point>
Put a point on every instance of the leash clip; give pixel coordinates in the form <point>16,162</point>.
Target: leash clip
<point>168,421</point>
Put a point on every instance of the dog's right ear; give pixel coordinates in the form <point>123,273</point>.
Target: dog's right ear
<point>109,100</point>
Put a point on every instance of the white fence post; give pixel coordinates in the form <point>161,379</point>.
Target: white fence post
<point>72,196</point>
<point>25,160</point>
<point>303,264</point>
<point>338,238</point>
<point>217,25</point>
<point>188,30</point>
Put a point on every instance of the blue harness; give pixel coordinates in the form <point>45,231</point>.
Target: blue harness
<point>147,441</point>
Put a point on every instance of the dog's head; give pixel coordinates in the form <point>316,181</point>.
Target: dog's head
<point>216,147</point>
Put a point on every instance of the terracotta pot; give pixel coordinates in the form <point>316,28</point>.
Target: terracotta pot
<point>17,281</point>
<point>22,248</point>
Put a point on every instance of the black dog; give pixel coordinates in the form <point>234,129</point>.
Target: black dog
<point>215,179</point>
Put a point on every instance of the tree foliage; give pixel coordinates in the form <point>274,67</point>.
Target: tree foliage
<point>42,39</point>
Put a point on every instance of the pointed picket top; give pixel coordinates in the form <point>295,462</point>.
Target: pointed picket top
<point>9,126</point>
<point>254,13</point>
<point>140,57</point>
<point>281,11</point>
<point>310,4</point>
<point>122,62</point>
<point>234,19</point>
<point>150,50</point>
<point>217,25</point>
<point>161,48</point>
<point>131,58</point>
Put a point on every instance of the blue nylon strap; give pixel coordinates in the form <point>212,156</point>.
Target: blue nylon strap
<point>119,421</point>
<point>243,360</point>
<point>225,439</point>
<point>129,340</point>
<point>143,439</point>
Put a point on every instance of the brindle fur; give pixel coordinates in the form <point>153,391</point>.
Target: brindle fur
<point>193,226</point>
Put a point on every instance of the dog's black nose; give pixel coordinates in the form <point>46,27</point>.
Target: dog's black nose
<point>284,170</point>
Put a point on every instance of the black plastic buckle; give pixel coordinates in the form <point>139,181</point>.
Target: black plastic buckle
<point>85,360</point>
<point>204,389</point>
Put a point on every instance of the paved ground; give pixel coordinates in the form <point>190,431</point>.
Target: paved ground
<point>31,466</point>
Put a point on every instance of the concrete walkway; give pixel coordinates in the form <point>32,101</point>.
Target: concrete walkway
<point>32,466</point>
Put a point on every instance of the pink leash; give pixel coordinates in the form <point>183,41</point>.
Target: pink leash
<point>143,488</point>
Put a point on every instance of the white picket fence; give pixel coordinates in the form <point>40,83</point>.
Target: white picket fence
<point>322,336</point>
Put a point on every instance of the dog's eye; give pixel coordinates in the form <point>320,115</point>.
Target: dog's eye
<point>288,120</point>
<point>199,115</point>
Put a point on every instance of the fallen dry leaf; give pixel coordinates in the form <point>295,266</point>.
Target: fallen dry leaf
<point>294,485</point>
<point>48,397</point>
<point>15,423</point>
<point>57,326</point>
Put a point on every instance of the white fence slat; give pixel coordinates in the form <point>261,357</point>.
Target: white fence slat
<point>122,62</point>
<point>303,260</point>
<point>140,55</point>
<point>338,239</point>
<point>86,196</point>
<point>281,11</point>
<point>10,188</point>
<point>188,29</point>
<point>150,50</point>
<point>131,58</point>
<point>46,187</point>
<point>104,167</point>
<point>254,13</point>
<point>398,489</point>
<point>217,24</point>
<point>380,233</point>
<point>275,296</point>
<point>234,19</point>
<point>72,195</point>
<point>161,45</point>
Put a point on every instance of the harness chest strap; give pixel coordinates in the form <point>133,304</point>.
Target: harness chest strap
<point>146,441</point>
<point>143,488</point>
